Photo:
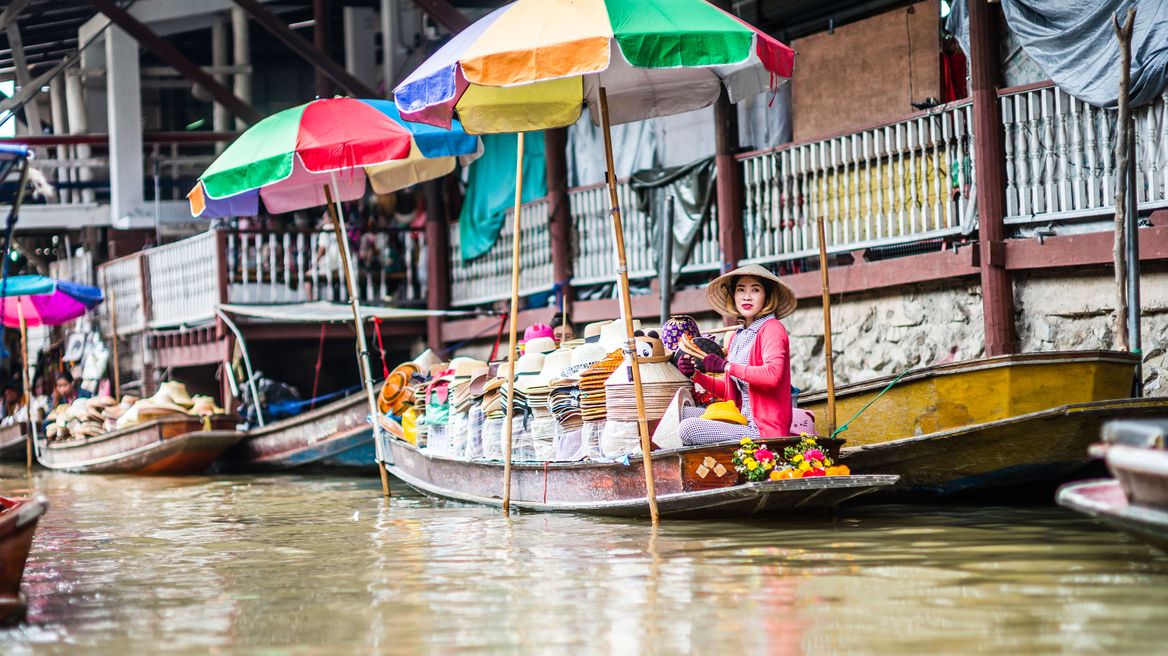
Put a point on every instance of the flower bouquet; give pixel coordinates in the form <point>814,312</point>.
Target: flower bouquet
<point>806,460</point>
<point>754,461</point>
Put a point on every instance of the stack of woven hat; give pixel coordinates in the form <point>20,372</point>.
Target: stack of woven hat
<point>537,388</point>
<point>660,381</point>
<point>466,372</point>
<point>564,396</point>
<point>592,391</point>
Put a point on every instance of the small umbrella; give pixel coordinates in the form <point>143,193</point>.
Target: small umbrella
<point>321,153</point>
<point>535,64</point>
<point>41,301</point>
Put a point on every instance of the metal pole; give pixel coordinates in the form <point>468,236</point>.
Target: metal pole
<point>1132,243</point>
<point>666,259</point>
<point>255,394</point>
<point>32,424</point>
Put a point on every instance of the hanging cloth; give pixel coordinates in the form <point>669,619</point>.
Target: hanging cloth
<point>490,189</point>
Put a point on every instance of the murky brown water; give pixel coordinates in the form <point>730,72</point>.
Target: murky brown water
<point>296,565</point>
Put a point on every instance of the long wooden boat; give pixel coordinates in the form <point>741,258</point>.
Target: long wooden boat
<point>692,481</point>
<point>18,522</point>
<point>1105,501</point>
<point>1035,450</point>
<point>171,445</point>
<point>334,437</point>
<point>1135,452</point>
<point>987,425</point>
<point>12,446</point>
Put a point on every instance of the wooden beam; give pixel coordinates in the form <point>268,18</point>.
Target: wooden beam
<point>560,211</point>
<point>169,54</point>
<point>990,177</point>
<point>447,15</point>
<point>1090,249</point>
<point>320,40</point>
<point>310,53</point>
<point>12,12</point>
<point>437,258</point>
<point>32,109</point>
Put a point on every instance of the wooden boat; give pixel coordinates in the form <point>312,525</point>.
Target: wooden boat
<point>1136,456</point>
<point>986,425</point>
<point>12,446</point>
<point>170,445</point>
<point>18,522</point>
<point>1105,501</point>
<point>692,481</point>
<point>336,436</point>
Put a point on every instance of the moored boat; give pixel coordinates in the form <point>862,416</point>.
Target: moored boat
<point>691,481</point>
<point>987,425</point>
<point>335,437</point>
<point>18,522</point>
<point>12,442</point>
<point>1135,452</point>
<point>169,445</point>
<point>1104,500</point>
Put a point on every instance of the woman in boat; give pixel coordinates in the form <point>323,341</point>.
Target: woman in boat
<point>757,369</point>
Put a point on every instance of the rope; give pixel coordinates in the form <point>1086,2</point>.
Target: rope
<point>319,360</point>
<point>380,346</point>
<point>844,427</point>
<point>498,337</point>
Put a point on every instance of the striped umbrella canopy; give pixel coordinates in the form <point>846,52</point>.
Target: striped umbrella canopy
<point>534,64</point>
<point>287,159</point>
<point>45,301</point>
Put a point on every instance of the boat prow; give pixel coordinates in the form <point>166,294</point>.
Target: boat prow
<point>167,446</point>
<point>1105,501</point>
<point>18,522</point>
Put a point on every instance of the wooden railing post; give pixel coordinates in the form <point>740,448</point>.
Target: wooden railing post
<point>437,254</point>
<point>147,315</point>
<point>559,211</point>
<point>989,172</point>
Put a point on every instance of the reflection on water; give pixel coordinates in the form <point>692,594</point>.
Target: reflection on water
<point>298,565</point>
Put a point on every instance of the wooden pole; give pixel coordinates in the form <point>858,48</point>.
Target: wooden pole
<point>1123,154</point>
<point>512,335</point>
<point>32,424</point>
<point>338,218</point>
<point>114,344</point>
<point>627,315</point>
<point>823,275</point>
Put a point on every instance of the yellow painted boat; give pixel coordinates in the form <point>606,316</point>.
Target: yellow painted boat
<point>984,425</point>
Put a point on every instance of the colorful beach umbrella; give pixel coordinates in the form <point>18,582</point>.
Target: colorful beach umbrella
<point>535,64</point>
<point>45,301</point>
<point>287,158</point>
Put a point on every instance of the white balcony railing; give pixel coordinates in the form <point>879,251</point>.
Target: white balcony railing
<point>1060,161</point>
<point>487,278</point>
<point>121,280</point>
<point>897,183</point>
<point>184,285</point>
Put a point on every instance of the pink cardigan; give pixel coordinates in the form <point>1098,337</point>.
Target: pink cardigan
<point>768,374</point>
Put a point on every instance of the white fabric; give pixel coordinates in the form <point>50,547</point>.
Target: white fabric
<point>328,312</point>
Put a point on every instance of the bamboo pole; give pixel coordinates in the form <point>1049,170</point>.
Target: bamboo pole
<point>627,310</point>
<point>1123,148</point>
<point>823,275</point>
<point>32,431</point>
<point>338,218</point>
<point>512,335</point>
<point>114,344</point>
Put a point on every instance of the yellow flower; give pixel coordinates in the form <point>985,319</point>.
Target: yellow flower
<point>751,464</point>
<point>769,464</point>
<point>776,476</point>
<point>745,441</point>
<point>804,466</point>
<point>798,458</point>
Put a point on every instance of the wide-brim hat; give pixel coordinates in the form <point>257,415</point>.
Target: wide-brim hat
<point>592,331</point>
<point>393,391</point>
<point>613,335</point>
<point>465,367</point>
<point>174,393</point>
<point>425,360</point>
<point>588,353</point>
<point>724,411</point>
<point>539,345</point>
<point>721,296</point>
<point>529,363</point>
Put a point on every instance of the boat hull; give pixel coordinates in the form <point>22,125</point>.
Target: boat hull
<point>1035,450</point>
<point>18,523</point>
<point>694,481</point>
<point>1142,474</point>
<point>334,437</point>
<point>12,443</point>
<point>1105,501</point>
<point>170,446</point>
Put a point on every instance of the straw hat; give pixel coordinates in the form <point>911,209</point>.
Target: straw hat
<point>408,369</point>
<point>172,392</point>
<point>393,392</point>
<point>650,350</point>
<point>613,336</point>
<point>529,363</point>
<point>553,364</point>
<point>493,384</point>
<point>425,360</point>
<point>721,296</point>
<point>465,367</point>
<point>724,411</point>
<point>588,353</point>
<point>204,406</point>
<point>592,331</point>
<point>540,345</point>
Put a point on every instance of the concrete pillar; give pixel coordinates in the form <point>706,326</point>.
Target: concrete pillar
<point>360,25</point>
<point>241,53</point>
<point>60,126</point>
<point>389,56</point>
<point>990,176</point>
<point>78,120</point>
<point>124,102</point>
<point>220,117</point>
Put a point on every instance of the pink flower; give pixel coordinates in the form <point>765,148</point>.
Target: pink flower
<point>813,454</point>
<point>764,454</point>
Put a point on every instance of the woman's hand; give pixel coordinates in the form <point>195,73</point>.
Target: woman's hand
<point>685,365</point>
<point>714,363</point>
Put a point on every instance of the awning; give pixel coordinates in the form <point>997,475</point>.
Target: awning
<point>329,312</point>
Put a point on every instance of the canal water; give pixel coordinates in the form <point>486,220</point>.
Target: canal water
<point>294,565</point>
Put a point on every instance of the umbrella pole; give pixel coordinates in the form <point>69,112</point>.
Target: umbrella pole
<point>827,329</point>
<point>512,335</point>
<point>114,344</point>
<point>32,431</point>
<point>338,218</point>
<point>630,347</point>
